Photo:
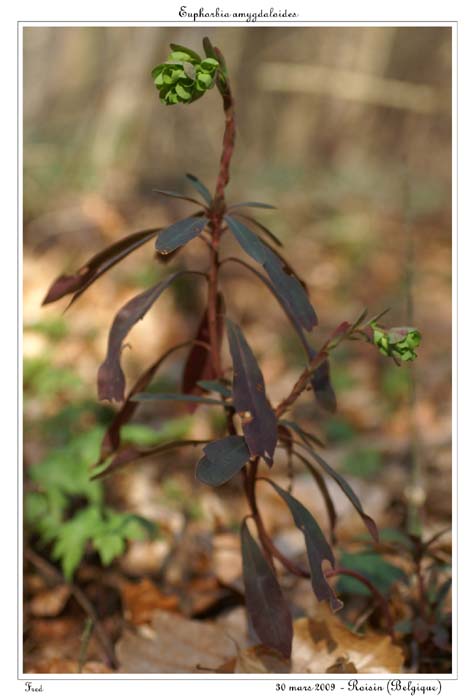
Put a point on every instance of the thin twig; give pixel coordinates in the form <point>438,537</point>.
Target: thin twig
<point>85,639</point>
<point>49,571</point>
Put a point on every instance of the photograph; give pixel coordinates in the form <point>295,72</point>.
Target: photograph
<point>237,350</point>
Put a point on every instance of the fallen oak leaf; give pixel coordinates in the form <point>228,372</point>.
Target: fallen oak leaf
<point>322,641</point>
<point>322,644</point>
<point>174,645</point>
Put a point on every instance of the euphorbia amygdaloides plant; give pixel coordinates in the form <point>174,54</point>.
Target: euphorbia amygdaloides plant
<point>255,428</point>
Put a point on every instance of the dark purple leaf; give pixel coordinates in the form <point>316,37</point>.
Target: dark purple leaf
<point>131,453</point>
<point>303,434</point>
<point>289,289</point>
<point>290,314</point>
<point>180,233</point>
<point>346,488</point>
<point>322,486</point>
<point>165,258</point>
<point>322,387</point>
<point>318,549</point>
<point>201,188</point>
<point>112,439</point>
<point>247,239</point>
<point>255,205</point>
<point>223,459</point>
<point>199,364</point>
<point>286,439</point>
<point>175,397</point>
<point>215,386</point>
<point>288,269</point>
<point>97,266</point>
<point>275,293</point>
<point>177,195</point>
<point>262,227</point>
<point>291,292</point>
<point>267,608</point>
<point>258,418</point>
<point>111,380</point>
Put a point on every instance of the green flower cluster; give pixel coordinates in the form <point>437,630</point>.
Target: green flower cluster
<point>185,77</point>
<point>399,343</point>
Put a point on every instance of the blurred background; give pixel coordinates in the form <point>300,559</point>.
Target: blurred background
<point>346,130</point>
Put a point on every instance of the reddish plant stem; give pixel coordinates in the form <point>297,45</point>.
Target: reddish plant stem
<point>250,490</point>
<point>301,383</point>
<point>303,380</point>
<point>217,211</point>
<point>228,144</point>
<point>213,304</point>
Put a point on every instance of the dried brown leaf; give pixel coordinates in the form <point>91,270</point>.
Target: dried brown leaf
<point>175,645</point>
<point>142,599</point>
<point>51,602</point>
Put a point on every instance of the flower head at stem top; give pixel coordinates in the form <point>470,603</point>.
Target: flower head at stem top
<point>398,343</point>
<point>185,77</point>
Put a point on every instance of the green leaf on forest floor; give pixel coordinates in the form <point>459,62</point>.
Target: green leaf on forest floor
<point>61,481</point>
<point>372,565</point>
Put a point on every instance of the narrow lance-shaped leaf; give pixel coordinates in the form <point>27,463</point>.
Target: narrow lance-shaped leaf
<point>322,387</point>
<point>255,205</point>
<point>247,239</point>
<point>317,547</point>
<point>285,437</point>
<point>177,195</point>
<point>199,364</point>
<point>287,441</point>
<point>303,434</point>
<point>111,440</point>
<point>289,290</point>
<point>180,233</point>
<point>321,380</point>
<point>131,453</point>
<point>215,386</point>
<point>223,459</point>
<point>346,488</point>
<point>267,283</point>
<point>285,264</point>
<point>261,226</point>
<point>111,380</point>
<point>258,418</point>
<point>97,266</point>
<point>289,311</point>
<point>267,608</point>
<point>322,486</point>
<point>201,188</point>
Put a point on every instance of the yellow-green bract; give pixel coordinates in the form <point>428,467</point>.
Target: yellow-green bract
<point>399,343</point>
<point>185,77</point>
